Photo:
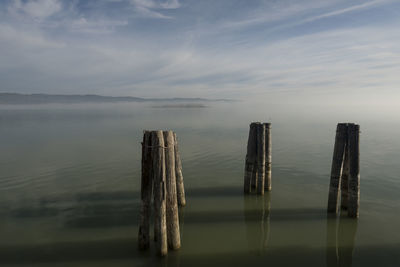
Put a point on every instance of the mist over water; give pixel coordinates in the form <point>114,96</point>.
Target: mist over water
<point>70,182</point>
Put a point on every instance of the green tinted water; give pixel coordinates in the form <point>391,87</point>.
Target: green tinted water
<point>70,179</point>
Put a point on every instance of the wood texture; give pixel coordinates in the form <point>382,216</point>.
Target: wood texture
<point>160,227</point>
<point>336,170</point>
<point>254,174</point>
<point>180,188</point>
<point>268,157</point>
<point>146,193</point>
<point>260,158</point>
<point>173,236</point>
<point>354,170</point>
<point>250,157</point>
<point>344,184</point>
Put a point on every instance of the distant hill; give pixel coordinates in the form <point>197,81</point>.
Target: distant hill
<point>14,98</point>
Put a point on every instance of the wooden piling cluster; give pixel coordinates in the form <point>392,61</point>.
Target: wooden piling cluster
<point>257,176</point>
<point>345,172</point>
<point>162,177</point>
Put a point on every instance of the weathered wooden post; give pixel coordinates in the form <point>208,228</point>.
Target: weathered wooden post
<point>179,176</point>
<point>336,170</point>
<point>162,176</point>
<point>345,180</point>
<point>146,191</point>
<point>254,175</point>
<point>160,224</point>
<point>268,157</point>
<point>345,173</point>
<point>257,171</point>
<point>173,236</point>
<point>250,157</point>
<point>354,170</point>
<point>260,158</point>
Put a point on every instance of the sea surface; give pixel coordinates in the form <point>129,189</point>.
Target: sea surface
<point>70,182</point>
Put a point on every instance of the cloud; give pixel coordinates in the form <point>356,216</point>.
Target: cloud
<point>170,4</point>
<point>272,12</point>
<point>154,4</point>
<point>63,16</point>
<point>150,8</point>
<point>282,13</point>
<point>94,26</point>
<point>342,11</point>
<point>17,39</point>
<point>38,9</point>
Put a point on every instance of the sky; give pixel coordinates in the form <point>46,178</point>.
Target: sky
<point>287,50</point>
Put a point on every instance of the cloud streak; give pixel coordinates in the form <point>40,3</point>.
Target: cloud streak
<point>149,8</point>
<point>281,13</point>
<point>38,9</point>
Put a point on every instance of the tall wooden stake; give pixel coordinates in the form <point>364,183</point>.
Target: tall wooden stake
<point>345,180</point>
<point>146,190</point>
<point>179,176</point>
<point>354,170</point>
<point>173,237</point>
<point>336,171</point>
<point>160,226</point>
<point>254,175</point>
<point>260,158</point>
<point>250,157</point>
<point>345,173</point>
<point>257,172</point>
<point>162,177</point>
<point>268,157</point>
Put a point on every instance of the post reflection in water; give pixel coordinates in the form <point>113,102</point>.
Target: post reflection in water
<point>257,211</point>
<point>340,240</point>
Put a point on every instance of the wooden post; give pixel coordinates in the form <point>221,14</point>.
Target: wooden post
<point>260,158</point>
<point>173,237</point>
<point>250,157</point>
<point>180,189</point>
<point>345,179</point>
<point>146,191</point>
<point>268,157</point>
<point>254,175</point>
<point>354,170</point>
<point>160,227</point>
<point>336,171</point>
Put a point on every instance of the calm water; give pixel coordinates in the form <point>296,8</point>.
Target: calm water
<point>70,179</point>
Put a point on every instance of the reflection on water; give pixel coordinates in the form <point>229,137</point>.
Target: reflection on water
<point>257,210</point>
<point>94,209</point>
<point>340,240</point>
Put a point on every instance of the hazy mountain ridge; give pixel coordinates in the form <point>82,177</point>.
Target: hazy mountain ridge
<point>15,98</point>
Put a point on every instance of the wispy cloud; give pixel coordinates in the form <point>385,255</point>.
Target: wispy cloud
<point>38,9</point>
<point>56,15</point>
<point>94,26</point>
<point>354,8</point>
<point>278,11</point>
<point>151,8</point>
<point>166,4</point>
<point>295,13</point>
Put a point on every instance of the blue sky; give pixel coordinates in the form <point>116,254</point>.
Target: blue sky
<point>286,49</point>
